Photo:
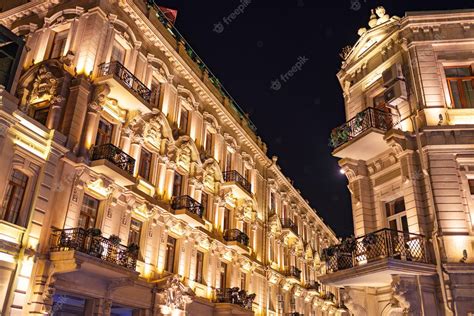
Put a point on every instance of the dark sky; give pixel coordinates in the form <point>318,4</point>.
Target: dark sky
<point>265,41</point>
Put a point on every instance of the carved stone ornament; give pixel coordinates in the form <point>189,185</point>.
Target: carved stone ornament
<point>174,295</point>
<point>404,290</point>
<point>44,85</point>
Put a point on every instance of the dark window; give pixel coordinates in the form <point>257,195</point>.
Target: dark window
<point>247,174</point>
<point>41,114</point>
<point>135,231</point>
<point>223,275</point>
<point>177,184</point>
<point>245,228</point>
<point>104,133</point>
<point>226,218</point>
<point>471,186</point>
<point>199,266</point>
<point>13,200</point>
<point>272,203</point>
<point>155,93</point>
<point>205,204</point>
<point>59,44</point>
<point>89,210</point>
<point>460,83</point>
<point>183,121</point>
<point>170,254</point>
<point>208,143</point>
<point>145,164</point>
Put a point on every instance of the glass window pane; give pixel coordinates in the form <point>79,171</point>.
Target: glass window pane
<point>468,93</point>
<point>399,206</point>
<point>456,96</point>
<point>405,224</point>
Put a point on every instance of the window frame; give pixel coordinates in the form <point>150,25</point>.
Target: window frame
<point>19,217</point>
<point>81,212</point>
<point>459,80</point>
<point>143,172</point>
<point>170,250</point>
<point>199,271</point>
<point>99,134</point>
<point>140,232</point>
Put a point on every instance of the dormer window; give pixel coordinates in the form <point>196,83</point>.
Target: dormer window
<point>460,84</point>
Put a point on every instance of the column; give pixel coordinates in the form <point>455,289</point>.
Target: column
<point>135,149</point>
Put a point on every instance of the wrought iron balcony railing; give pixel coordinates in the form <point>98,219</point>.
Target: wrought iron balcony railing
<point>85,241</point>
<point>236,235</point>
<point>369,118</point>
<point>188,203</point>
<point>287,223</point>
<point>126,77</point>
<point>293,271</point>
<point>235,296</point>
<point>115,155</point>
<point>384,243</point>
<point>234,176</point>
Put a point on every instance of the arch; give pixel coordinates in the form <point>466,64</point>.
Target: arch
<point>187,96</point>
<point>211,122</point>
<point>246,158</point>
<point>126,30</point>
<point>231,142</point>
<point>162,68</point>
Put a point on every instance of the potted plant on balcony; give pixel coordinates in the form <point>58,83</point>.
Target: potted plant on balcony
<point>94,232</point>
<point>369,241</point>
<point>114,239</point>
<point>133,248</point>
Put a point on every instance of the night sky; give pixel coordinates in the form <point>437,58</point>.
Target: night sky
<point>265,41</point>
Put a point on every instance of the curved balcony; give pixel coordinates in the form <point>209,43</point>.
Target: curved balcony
<point>237,240</point>
<point>114,163</point>
<point>373,258</point>
<point>362,137</point>
<point>124,86</point>
<point>188,209</point>
<point>67,245</point>
<point>240,186</point>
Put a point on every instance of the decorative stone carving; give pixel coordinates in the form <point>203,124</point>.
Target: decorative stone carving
<point>404,290</point>
<point>351,304</point>
<point>174,295</point>
<point>44,85</point>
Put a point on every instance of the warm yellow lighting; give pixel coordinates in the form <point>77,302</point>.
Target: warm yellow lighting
<point>7,257</point>
<point>146,187</point>
<point>143,211</point>
<point>98,187</point>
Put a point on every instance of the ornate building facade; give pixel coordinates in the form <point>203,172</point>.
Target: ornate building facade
<point>407,149</point>
<point>132,184</point>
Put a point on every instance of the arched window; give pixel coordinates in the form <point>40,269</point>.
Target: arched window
<point>14,198</point>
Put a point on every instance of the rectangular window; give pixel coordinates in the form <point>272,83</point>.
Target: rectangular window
<point>170,254</point>
<point>135,231</point>
<point>272,203</point>
<point>223,275</point>
<point>396,215</point>
<point>199,266</point>
<point>243,281</point>
<point>208,143</point>
<point>471,186</point>
<point>118,53</point>
<point>13,199</point>
<point>183,120</point>
<point>205,204</point>
<point>228,161</point>
<point>177,184</point>
<point>40,114</point>
<point>460,83</point>
<point>247,174</point>
<point>155,93</point>
<point>226,219</point>
<point>104,133</point>
<point>59,44</point>
<point>144,169</point>
<point>88,214</point>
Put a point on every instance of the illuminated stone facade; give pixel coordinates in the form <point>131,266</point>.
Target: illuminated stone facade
<point>131,183</point>
<point>407,149</point>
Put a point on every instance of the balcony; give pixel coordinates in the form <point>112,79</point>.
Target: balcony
<point>237,240</point>
<point>362,137</point>
<point>235,296</point>
<point>370,260</point>
<point>77,248</point>
<point>240,186</point>
<point>124,87</point>
<point>288,226</point>
<point>111,161</point>
<point>293,274</point>
<point>313,286</point>
<point>189,210</point>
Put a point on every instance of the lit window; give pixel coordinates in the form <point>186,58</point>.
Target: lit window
<point>13,201</point>
<point>144,169</point>
<point>460,83</point>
